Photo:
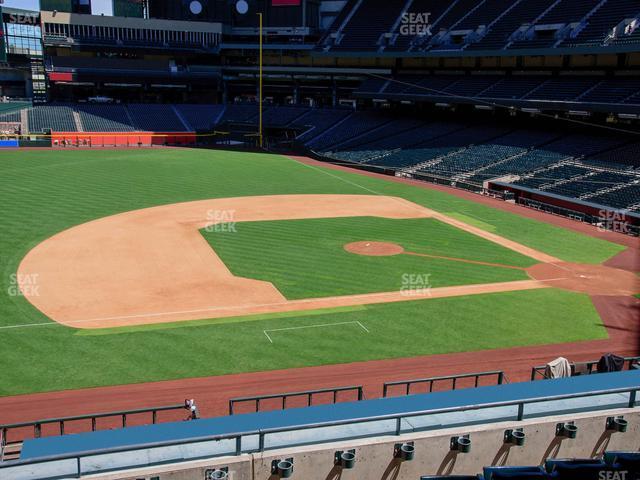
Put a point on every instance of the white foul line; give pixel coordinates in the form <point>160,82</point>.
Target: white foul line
<point>312,326</point>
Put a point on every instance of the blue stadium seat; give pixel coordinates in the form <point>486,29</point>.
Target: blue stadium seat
<point>576,469</point>
<point>498,473</point>
<point>623,460</point>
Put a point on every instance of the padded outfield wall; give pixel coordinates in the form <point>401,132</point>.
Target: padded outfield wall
<point>121,139</point>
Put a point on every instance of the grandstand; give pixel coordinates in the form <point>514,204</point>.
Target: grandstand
<point>475,27</point>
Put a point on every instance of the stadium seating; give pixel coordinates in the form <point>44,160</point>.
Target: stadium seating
<point>372,19</point>
<point>535,89</point>
<point>282,116</point>
<point>13,117</point>
<point>622,198</point>
<point>500,32</point>
<point>360,123</point>
<point>104,118</point>
<point>15,107</point>
<point>200,117</point>
<point>317,121</point>
<point>155,118</point>
<point>57,118</point>
<point>485,25</point>
<point>562,88</point>
<point>593,168</point>
<point>603,20</point>
<point>239,112</point>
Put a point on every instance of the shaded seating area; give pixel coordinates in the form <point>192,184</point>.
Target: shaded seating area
<point>612,465</point>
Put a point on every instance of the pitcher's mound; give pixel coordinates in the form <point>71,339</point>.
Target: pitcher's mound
<point>374,249</point>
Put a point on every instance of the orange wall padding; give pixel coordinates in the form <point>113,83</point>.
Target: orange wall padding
<point>121,139</point>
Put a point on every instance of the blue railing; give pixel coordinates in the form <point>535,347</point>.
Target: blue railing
<point>245,441</point>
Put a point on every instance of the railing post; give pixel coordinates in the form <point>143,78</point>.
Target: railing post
<point>384,390</point>
<point>408,388</point>
<point>257,405</point>
<point>361,393</point>
<point>230,407</point>
<point>261,441</point>
<point>284,402</point>
<point>124,420</point>
<point>37,430</point>
<point>533,373</point>
<point>632,398</point>
<point>500,378</point>
<point>335,396</point>
<point>239,445</point>
<point>431,386</point>
<point>79,467</point>
<point>454,383</point>
<point>93,424</point>
<point>308,399</point>
<point>61,427</point>
<point>520,411</point>
<point>154,417</point>
<point>398,425</point>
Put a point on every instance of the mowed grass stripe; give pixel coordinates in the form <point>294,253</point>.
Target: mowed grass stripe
<point>306,258</point>
<point>57,359</point>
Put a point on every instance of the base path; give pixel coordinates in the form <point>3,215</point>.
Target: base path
<point>591,279</point>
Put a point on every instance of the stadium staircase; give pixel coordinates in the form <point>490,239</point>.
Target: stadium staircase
<point>77,121</point>
<point>185,123</point>
<point>24,120</point>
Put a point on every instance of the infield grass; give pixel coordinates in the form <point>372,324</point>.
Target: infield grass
<point>45,192</point>
<point>306,258</point>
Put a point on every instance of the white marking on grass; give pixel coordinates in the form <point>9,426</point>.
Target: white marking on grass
<point>266,332</point>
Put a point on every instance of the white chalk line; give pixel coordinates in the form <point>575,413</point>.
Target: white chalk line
<point>266,332</point>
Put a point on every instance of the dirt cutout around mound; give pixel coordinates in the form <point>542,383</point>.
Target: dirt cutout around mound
<point>374,249</point>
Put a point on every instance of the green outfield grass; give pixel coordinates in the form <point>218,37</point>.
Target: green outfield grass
<point>306,258</point>
<point>61,358</point>
<point>45,192</point>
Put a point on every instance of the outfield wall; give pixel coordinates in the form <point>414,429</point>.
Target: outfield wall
<point>374,456</point>
<point>121,139</point>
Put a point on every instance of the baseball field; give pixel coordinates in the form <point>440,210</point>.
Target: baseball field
<point>130,266</point>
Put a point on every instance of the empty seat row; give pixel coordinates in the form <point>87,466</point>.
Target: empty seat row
<point>612,465</point>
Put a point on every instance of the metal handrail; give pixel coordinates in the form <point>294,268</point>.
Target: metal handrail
<point>37,424</point>
<point>501,378</point>
<point>539,369</point>
<point>285,396</point>
<point>262,433</point>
